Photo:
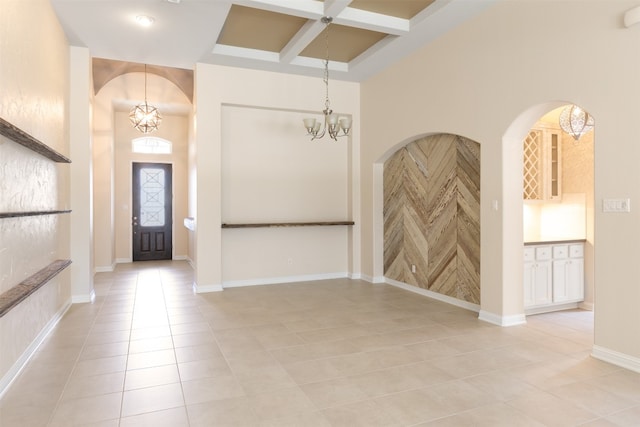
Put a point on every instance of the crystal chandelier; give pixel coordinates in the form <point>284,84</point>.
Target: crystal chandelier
<point>575,121</point>
<point>145,117</point>
<point>332,122</point>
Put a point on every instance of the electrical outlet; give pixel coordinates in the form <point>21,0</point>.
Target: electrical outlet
<point>413,268</point>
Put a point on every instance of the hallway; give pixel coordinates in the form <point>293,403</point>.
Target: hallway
<point>331,353</point>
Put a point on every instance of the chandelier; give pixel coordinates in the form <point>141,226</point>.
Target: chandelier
<point>145,117</point>
<point>575,121</point>
<point>332,122</point>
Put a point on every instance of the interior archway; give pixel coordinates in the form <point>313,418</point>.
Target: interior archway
<point>513,223</point>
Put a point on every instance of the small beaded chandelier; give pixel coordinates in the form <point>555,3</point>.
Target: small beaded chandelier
<point>144,117</point>
<point>575,121</point>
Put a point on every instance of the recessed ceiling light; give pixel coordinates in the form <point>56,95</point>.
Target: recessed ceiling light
<point>145,20</point>
<point>174,1</point>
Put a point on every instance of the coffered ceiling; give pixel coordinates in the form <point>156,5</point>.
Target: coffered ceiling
<point>278,35</point>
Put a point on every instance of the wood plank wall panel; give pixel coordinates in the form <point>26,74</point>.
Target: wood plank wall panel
<point>432,216</point>
<point>394,205</point>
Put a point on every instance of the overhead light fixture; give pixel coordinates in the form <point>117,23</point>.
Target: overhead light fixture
<point>332,122</point>
<point>145,20</point>
<point>144,117</point>
<point>575,121</point>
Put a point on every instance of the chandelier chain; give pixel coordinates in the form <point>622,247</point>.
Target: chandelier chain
<point>334,125</point>
<point>326,66</point>
<point>145,83</point>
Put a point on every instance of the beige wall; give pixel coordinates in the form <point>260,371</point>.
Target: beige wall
<point>265,94</point>
<point>34,71</point>
<point>119,95</point>
<point>271,172</point>
<point>490,80</point>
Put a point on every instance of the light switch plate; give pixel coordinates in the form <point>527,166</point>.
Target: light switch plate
<point>616,205</point>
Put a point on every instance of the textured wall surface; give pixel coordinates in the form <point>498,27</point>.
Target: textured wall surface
<point>34,69</point>
<point>432,216</point>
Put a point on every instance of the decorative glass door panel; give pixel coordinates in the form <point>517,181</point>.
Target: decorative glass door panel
<point>152,219</point>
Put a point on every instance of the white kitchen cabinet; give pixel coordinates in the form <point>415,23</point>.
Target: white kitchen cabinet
<point>568,273</point>
<point>553,276</point>
<point>542,163</point>
<point>538,276</point>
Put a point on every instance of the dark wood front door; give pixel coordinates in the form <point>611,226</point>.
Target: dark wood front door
<point>152,219</point>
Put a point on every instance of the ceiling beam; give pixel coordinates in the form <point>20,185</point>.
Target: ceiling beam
<point>309,9</point>
<point>309,31</point>
<point>335,7</point>
<point>372,21</point>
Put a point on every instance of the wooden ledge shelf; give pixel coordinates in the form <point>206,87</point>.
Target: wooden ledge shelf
<point>21,137</point>
<point>288,224</point>
<point>31,213</point>
<point>21,291</point>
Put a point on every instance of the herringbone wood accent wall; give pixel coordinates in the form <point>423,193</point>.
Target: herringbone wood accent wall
<point>432,216</point>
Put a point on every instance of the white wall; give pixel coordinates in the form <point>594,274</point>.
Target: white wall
<point>490,80</point>
<point>250,170</point>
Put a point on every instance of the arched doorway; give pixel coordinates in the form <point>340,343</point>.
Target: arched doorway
<point>543,219</point>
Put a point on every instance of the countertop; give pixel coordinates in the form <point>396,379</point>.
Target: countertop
<point>553,242</point>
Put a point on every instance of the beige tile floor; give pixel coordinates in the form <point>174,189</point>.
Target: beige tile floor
<point>149,352</point>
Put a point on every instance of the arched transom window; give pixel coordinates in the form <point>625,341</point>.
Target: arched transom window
<point>151,145</point>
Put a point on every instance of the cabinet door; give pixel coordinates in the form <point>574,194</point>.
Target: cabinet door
<point>560,280</point>
<point>568,280</point>
<point>529,284</point>
<point>554,183</point>
<point>575,279</point>
<point>537,283</point>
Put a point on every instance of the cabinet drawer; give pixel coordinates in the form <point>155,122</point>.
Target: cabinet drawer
<point>561,251</point>
<point>543,253</point>
<point>576,251</point>
<point>529,254</point>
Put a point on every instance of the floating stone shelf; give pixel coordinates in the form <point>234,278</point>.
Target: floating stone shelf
<point>21,137</point>
<point>288,224</point>
<point>31,213</point>
<point>21,291</point>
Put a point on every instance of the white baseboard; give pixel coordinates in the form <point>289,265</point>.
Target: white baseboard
<point>105,269</point>
<point>355,276</point>
<point>366,278</point>
<point>551,308</point>
<point>82,299</point>
<point>180,258</point>
<point>123,260</point>
<point>285,279</point>
<point>372,279</point>
<point>616,358</point>
<point>434,295</point>
<point>203,289</point>
<point>589,306</point>
<point>191,263</point>
<point>28,353</point>
<point>496,319</point>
